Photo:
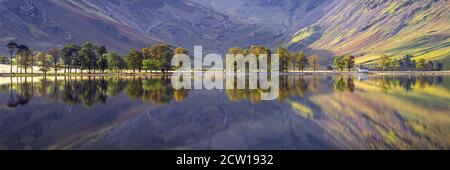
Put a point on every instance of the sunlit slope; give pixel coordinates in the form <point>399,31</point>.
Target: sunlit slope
<point>370,28</point>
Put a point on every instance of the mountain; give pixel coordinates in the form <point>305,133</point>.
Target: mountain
<point>139,23</point>
<point>364,28</point>
<point>48,23</point>
<point>274,18</point>
<point>371,28</point>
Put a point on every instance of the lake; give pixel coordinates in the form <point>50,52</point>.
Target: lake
<point>311,112</point>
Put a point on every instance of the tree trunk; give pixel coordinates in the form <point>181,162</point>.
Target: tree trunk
<point>10,63</point>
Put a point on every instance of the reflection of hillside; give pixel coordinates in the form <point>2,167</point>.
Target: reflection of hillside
<point>385,113</point>
<point>411,114</point>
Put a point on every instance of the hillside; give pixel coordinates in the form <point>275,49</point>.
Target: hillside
<point>44,24</point>
<point>365,28</point>
<point>370,28</point>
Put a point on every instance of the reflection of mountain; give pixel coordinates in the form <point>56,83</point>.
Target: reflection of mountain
<point>383,114</point>
<point>379,113</point>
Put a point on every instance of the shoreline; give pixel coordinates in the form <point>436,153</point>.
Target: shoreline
<point>225,73</point>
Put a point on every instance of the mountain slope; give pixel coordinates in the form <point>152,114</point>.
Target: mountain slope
<point>49,23</point>
<point>364,28</point>
<point>370,28</point>
<point>274,19</point>
<point>185,23</point>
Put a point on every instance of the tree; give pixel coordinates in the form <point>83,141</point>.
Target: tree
<point>12,46</point>
<point>115,62</point>
<point>395,65</point>
<point>69,53</point>
<point>301,60</point>
<point>4,60</point>
<point>101,51</point>
<point>234,50</point>
<point>162,53</point>
<point>349,62</point>
<point>151,64</point>
<point>438,66</point>
<point>180,50</point>
<point>44,61</point>
<point>55,57</point>
<point>284,56</point>
<point>406,63</point>
<point>258,50</point>
<point>421,64</point>
<point>134,60</point>
<point>430,66</point>
<point>339,63</point>
<point>315,62</point>
<point>88,54</point>
<point>102,63</point>
<point>25,56</point>
<point>384,63</point>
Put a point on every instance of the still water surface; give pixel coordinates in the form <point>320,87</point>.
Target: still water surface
<point>312,112</point>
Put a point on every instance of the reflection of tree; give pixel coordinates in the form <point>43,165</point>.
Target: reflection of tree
<point>115,86</point>
<point>69,92</point>
<point>154,90</point>
<point>181,94</point>
<point>54,92</point>
<point>289,86</point>
<point>425,81</point>
<point>158,90</point>
<point>292,86</point>
<point>342,84</point>
<point>12,102</point>
<point>253,95</point>
<point>315,84</point>
<point>91,90</point>
<point>134,88</point>
<point>102,86</point>
<point>300,87</point>
<point>24,93</point>
<point>407,83</point>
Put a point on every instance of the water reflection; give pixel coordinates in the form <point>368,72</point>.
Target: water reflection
<point>311,112</point>
<point>92,90</point>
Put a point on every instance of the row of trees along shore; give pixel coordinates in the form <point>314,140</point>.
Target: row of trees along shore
<point>93,57</point>
<point>89,58</point>
<point>389,63</point>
